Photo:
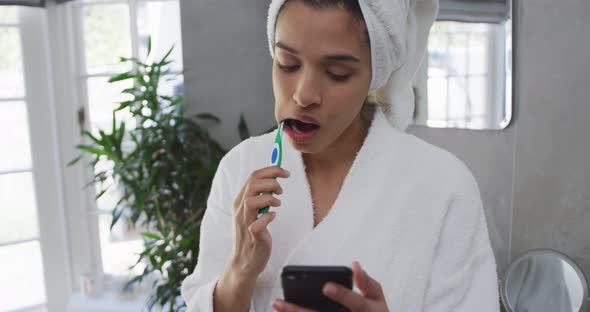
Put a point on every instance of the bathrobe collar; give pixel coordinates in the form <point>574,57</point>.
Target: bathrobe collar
<point>367,177</point>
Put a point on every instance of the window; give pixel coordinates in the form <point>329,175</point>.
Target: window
<point>465,80</point>
<point>108,30</point>
<point>461,70</point>
<point>21,273</point>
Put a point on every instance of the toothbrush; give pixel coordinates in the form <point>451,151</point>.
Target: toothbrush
<point>276,158</point>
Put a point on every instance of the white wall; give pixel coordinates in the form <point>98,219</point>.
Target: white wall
<point>227,64</point>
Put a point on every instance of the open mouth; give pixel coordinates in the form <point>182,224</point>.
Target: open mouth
<point>300,131</point>
<point>299,126</point>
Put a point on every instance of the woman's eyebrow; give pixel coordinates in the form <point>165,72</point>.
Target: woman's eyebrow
<point>285,47</point>
<point>335,57</point>
<point>342,57</point>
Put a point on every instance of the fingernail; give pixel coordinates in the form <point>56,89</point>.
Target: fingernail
<point>287,172</point>
<point>277,304</point>
<point>330,289</point>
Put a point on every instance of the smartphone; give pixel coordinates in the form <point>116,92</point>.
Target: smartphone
<point>302,285</point>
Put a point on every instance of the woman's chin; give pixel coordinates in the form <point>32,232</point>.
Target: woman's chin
<point>309,147</point>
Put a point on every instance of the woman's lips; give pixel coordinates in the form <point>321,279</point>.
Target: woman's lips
<point>307,119</point>
<point>300,137</point>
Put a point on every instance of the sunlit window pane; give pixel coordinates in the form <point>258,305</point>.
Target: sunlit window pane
<point>478,54</point>
<point>438,56</point>
<point>478,95</point>
<point>18,210</point>
<point>171,85</point>
<point>437,98</point>
<point>36,309</point>
<point>106,37</point>
<point>109,199</point>
<point>458,55</point>
<point>8,15</point>
<point>11,72</point>
<point>14,132</point>
<point>103,97</point>
<point>161,21</point>
<point>119,247</point>
<point>21,276</point>
<point>457,98</point>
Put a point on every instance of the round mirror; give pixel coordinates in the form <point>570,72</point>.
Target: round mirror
<point>544,280</point>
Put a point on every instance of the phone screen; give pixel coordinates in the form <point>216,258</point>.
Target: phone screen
<point>302,285</point>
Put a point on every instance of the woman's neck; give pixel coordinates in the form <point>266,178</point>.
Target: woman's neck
<point>341,153</point>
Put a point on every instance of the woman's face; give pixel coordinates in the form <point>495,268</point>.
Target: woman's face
<point>321,71</point>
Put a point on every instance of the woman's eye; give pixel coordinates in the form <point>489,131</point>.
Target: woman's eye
<point>287,68</point>
<point>339,78</point>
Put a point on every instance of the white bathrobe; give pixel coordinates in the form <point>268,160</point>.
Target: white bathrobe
<point>408,211</point>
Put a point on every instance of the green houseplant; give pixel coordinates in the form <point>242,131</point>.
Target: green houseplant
<point>163,167</point>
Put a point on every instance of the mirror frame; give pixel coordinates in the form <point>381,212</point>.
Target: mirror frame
<point>545,251</point>
<point>515,16</point>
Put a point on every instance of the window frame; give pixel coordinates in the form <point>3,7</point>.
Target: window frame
<point>45,157</point>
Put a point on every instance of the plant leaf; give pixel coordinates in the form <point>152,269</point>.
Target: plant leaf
<point>164,59</point>
<point>273,128</point>
<point>149,46</point>
<point>90,149</point>
<point>123,76</point>
<point>117,212</point>
<point>121,131</point>
<point>208,116</point>
<point>100,194</point>
<point>74,161</point>
<point>134,60</point>
<point>186,242</point>
<point>151,235</point>
<point>243,128</point>
<point>92,137</point>
<point>114,122</point>
<point>130,282</point>
<point>123,105</point>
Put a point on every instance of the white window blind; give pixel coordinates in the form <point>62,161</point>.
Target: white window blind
<point>32,3</point>
<point>35,3</point>
<point>474,11</point>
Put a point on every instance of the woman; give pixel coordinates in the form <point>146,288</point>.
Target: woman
<point>356,188</point>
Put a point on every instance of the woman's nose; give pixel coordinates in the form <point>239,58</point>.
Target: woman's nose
<point>307,92</point>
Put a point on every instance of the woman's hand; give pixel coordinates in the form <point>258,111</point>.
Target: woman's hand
<point>371,298</point>
<point>252,240</point>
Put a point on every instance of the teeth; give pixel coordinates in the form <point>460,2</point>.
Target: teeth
<point>294,126</point>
